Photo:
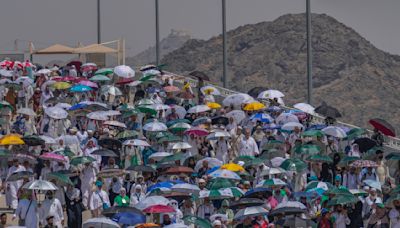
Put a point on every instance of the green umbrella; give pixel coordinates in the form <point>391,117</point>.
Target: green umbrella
<point>127,134</point>
<point>343,199</point>
<point>15,86</point>
<point>81,160</point>
<point>104,71</point>
<point>244,158</point>
<point>272,144</point>
<point>179,127</point>
<point>174,157</point>
<point>348,159</point>
<point>172,122</point>
<point>147,77</point>
<point>320,158</point>
<point>4,153</point>
<point>318,184</point>
<point>5,104</point>
<point>60,178</point>
<point>255,162</point>
<point>129,113</point>
<point>308,149</point>
<point>313,133</point>
<point>222,193</point>
<point>338,191</point>
<point>272,153</point>
<point>293,164</point>
<point>169,138</point>
<point>200,222</point>
<point>65,152</point>
<point>144,109</point>
<point>392,198</point>
<point>218,183</point>
<point>393,156</point>
<point>273,182</point>
<point>99,78</point>
<point>355,133</point>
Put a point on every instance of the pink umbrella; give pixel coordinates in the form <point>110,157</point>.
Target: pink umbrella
<point>89,83</point>
<point>197,131</point>
<point>53,157</point>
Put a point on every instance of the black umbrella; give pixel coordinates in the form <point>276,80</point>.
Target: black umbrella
<point>111,211</point>
<point>111,144</point>
<point>246,202</point>
<point>328,111</point>
<point>256,90</point>
<point>105,152</point>
<point>142,168</point>
<point>33,140</point>
<point>220,120</point>
<point>365,144</point>
<point>199,75</point>
<point>20,175</point>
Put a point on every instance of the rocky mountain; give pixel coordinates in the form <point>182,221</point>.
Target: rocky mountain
<point>170,43</point>
<point>348,71</point>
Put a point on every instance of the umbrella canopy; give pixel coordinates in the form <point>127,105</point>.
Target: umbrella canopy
<point>374,184</point>
<point>197,131</point>
<point>383,126</point>
<point>100,222</point>
<point>56,113</point>
<point>222,193</point>
<point>79,88</point>
<point>99,78</point>
<point>254,106</point>
<point>250,212</point>
<point>288,208</point>
<point>334,131</point>
<point>291,126</point>
<point>104,71</point>
<point>179,169</point>
<point>61,178</point>
<point>246,202</point>
<point>128,218</point>
<point>104,152</point>
<point>210,90</point>
<point>20,175</point>
<point>82,160</point>
<point>313,133</point>
<point>40,185</point>
<point>365,144</point>
<point>150,201</point>
<point>293,164</point>
<point>114,123</point>
<point>11,139</point>
<point>200,222</point>
<point>355,133</point>
<point>270,94</point>
<point>233,167</point>
<point>52,157</point>
<point>343,199</point>
<point>171,89</point>
<point>307,108</point>
<point>181,146</point>
<point>110,173</point>
<point>211,162</point>
<point>320,158</point>
<point>142,168</point>
<point>224,173</point>
<point>136,142</point>
<point>155,126</point>
<point>256,90</point>
<point>186,188</point>
<point>26,111</point>
<point>213,105</point>
<point>237,115</point>
<point>328,111</point>
<point>61,85</point>
<point>198,109</point>
<point>286,118</point>
<point>237,100</point>
<point>33,140</point>
<point>218,134</point>
<point>158,156</point>
<point>124,71</point>
<point>272,171</point>
<point>308,149</point>
<point>111,211</point>
<point>158,209</point>
<point>110,89</point>
<point>319,184</point>
<point>272,183</point>
<point>262,117</point>
<point>179,127</point>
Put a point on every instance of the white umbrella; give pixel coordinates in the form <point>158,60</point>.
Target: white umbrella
<point>111,113</point>
<point>40,185</point>
<point>56,113</point>
<point>237,99</point>
<point>6,73</point>
<point>250,211</point>
<point>181,146</point>
<point>305,108</point>
<point>89,64</point>
<point>159,107</point>
<point>270,94</point>
<point>176,225</point>
<point>5,81</point>
<point>181,111</point>
<point>334,131</point>
<point>286,118</point>
<point>25,80</point>
<point>47,83</point>
<point>186,188</point>
<point>63,105</point>
<point>152,200</point>
<point>212,89</point>
<point>112,90</point>
<point>158,156</point>
<point>218,134</point>
<point>136,142</point>
<point>97,115</point>
<point>237,115</point>
<point>277,161</point>
<point>272,171</point>
<point>212,162</point>
<point>101,222</point>
<point>26,111</point>
<point>115,123</point>
<point>291,126</point>
<point>155,126</point>
<point>124,71</point>
<point>48,139</point>
<point>199,108</point>
<point>43,71</point>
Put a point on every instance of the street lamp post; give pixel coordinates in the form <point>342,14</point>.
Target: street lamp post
<point>98,22</point>
<point>157,34</point>
<point>309,53</point>
<point>224,53</point>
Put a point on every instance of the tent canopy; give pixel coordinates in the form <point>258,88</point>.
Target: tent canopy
<point>56,49</point>
<point>62,49</point>
<point>94,48</point>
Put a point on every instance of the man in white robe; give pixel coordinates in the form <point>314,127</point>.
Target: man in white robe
<point>88,176</point>
<point>13,186</point>
<point>99,200</point>
<point>51,207</point>
<point>248,145</point>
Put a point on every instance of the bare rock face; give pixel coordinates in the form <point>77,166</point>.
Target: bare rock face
<point>170,43</point>
<point>348,71</point>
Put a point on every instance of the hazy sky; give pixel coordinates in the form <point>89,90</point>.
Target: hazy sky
<point>68,21</point>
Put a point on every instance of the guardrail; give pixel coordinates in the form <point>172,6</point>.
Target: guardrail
<point>391,142</point>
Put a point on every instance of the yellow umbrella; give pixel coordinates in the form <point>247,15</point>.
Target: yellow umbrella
<point>11,139</point>
<point>254,106</point>
<point>213,105</point>
<point>61,85</point>
<point>233,167</point>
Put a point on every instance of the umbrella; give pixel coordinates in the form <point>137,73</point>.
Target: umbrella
<point>320,158</point>
<point>270,94</point>
<point>110,172</point>
<point>250,212</point>
<point>174,157</point>
<point>111,211</point>
<point>56,113</point>
<point>128,218</point>
<point>11,139</point>
<point>142,168</point>
<point>20,175</point>
<point>158,209</point>
<point>342,200</point>
<point>179,127</point>
<point>159,107</point>
<point>26,111</point>
<point>40,185</point>
<point>170,89</point>
<point>60,178</point>
<point>200,222</point>
<point>155,126</point>
<point>334,131</point>
<point>256,90</point>
<point>237,99</point>
<point>197,131</point>
<point>124,71</point>
<point>104,152</point>
<point>127,134</point>
<point>6,73</point>
<point>210,90</point>
<point>100,223</point>
<point>160,185</point>
<point>286,118</point>
<point>5,104</point>
<point>61,85</point>
<point>363,163</point>
<point>80,88</point>
<point>220,120</point>
<point>179,169</point>
<point>223,173</point>
<point>212,162</point>
<point>158,156</point>
<point>291,126</point>
<point>254,106</point>
<point>355,133</point>
<point>98,115</point>
<point>271,183</point>
<point>365,144</point>
<point>33,140</point>
<point>219,183</point>
<point>213,105</point>
<point>198,109</point>
<point>328,111</point>
<point>181,111</point>
<point>114,123</point>
<point>82,160</point>
<point>272,171</point>
<point>199,75</point>
<point>262,117</point>
<point>176,225</point>
<point>373,184</point>
<point>246,202</point>
<point>52,157</point>
<point>222,193</point>
<point>200,121</point>
<point>383,126</point>
<point>99,78</point>
<point>186,188</point>
<point>110,143</point>
<point>181,146</point>
<point>136,142</point>
<point>319,184</point>
<point>237,115</point>
<point>104,71</point>
<point>313,133</point>
<point>289,208</point>
<point>233,167</point>
<point>305,108</point>
<point>218,134</point>
<point>110,89</point>
<point>147,109</point>
<point>152,200</point>
<point>293,164</point>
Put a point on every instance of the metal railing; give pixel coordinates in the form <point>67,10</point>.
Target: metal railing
<point>391,142</point>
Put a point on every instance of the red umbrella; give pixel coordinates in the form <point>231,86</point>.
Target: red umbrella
<point>68,78</point>
<point>383,126</point>
<point>179,169</point>
<point>197,131</point>
<point>52,157</point>
<point>157,209</point>
<point>123,81</point>
<point>170,89</point>
<point>363,163</point>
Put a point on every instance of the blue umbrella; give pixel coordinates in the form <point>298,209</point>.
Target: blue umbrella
<point>213,169</point>
<point>200,120</point>
<point>160,185</point>
<point>80,88</point>
<point>255,191</point>
<point>316,127</point>
<point>129,218</point>
<point>262,117</point>
<point>77,106</point>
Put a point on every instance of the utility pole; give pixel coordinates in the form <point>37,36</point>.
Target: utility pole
<point>157,34</point>
<point>224,53</point>
<point>309,53</point>
<point>98,22</point>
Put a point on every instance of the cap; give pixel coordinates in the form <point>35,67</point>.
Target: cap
<point>99,183</point>
<point>324,211</point>
<point>138,186</point>
<point>366,188</point>
<point>217,223</point>
<point>338,178</point>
